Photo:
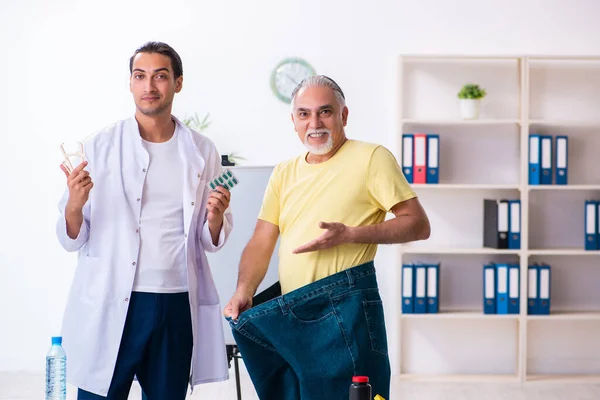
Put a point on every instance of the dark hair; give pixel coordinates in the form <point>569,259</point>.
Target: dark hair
<point>160,48</point>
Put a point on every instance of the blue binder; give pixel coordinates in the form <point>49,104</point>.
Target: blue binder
<point>407,156</point>
<point>408,289</point>
<point>535,154</point>
<point>502,288</point>
<point>433,158</point>
<point>544,280</point>
<point>433,288</point>
<point>489,289</point>
<point>514,219</point>
<point>514,288</point>
<point>562,160</point>
<point>420,289</point>
<point>598,225</point>
<point>532,290</point>
<point>591,225</point>
<point>546,160</point>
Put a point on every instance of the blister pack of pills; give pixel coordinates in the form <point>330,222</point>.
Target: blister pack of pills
<point>227,180</point>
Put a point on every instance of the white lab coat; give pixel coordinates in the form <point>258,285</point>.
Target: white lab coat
<point>108,246</point>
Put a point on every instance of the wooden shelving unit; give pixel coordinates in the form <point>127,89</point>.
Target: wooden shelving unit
<point>488,158</point>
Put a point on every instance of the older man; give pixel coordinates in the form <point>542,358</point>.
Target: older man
<point>329,206</point>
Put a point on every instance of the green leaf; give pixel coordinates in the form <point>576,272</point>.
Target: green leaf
<point>471,91</point>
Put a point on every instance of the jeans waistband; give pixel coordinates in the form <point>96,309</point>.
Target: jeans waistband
<point>345,279</point>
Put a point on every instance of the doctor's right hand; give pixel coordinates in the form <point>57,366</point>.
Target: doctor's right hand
<point>79,183</point>
<point>239,303</point>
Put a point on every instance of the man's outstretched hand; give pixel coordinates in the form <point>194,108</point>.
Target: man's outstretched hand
<point>335,234</point>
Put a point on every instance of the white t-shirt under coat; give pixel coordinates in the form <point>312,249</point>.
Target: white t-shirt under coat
<point>161,266</point>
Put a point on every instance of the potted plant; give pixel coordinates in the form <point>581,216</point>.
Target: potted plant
<point>470,99</point>
<point>200,125</point>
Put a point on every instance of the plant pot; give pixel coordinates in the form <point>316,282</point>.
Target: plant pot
<point>469,108</point>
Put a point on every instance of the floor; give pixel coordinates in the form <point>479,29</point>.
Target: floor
<point>27,386</point>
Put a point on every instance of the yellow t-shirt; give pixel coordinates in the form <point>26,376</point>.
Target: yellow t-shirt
<point>357,186</point>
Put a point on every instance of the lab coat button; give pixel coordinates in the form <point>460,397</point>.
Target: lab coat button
<point>133,263</point>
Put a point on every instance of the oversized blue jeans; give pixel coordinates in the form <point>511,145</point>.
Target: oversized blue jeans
<point>308,343</point>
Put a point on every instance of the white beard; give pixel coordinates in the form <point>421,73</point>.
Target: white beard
<point>320,149</point>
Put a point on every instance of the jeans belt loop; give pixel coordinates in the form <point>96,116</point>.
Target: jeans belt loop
<point>282,305</point>
<point>350,278</point>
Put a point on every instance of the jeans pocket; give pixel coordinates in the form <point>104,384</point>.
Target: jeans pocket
<point>376,325</point>
<point>314,310</point>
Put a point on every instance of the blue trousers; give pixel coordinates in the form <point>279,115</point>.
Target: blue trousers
<point>156,346</point>
<point>307,344</point>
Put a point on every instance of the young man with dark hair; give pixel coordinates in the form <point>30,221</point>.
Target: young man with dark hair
<point>143,302</point>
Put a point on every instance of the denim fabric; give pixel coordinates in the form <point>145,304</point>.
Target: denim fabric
<point>307,344</point>
<point>156,346</point>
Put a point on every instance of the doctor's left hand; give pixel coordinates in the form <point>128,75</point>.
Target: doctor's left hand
<point>218,201</point>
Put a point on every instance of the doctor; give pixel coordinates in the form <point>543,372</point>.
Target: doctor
<point>143,302</point>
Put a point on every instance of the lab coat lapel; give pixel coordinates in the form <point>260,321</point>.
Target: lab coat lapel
<point>193,168</point>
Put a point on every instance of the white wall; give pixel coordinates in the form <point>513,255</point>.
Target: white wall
<point>65,74</point>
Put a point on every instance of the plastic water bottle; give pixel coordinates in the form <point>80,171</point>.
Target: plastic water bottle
<point>56,371</point>
<point>360,389</point>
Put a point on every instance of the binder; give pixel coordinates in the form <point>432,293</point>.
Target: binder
<point>591,225</point>
<point>546,160</point>
<point>489,289</point>
<point>532,290</point>
<point>534,159</point>
<point>433,288</point>
<point>407,156</point>
<point>502,288</point>
<point>495,223</point>
<point>408,284</point>
<point>514,217</point>
<point>514,298</point>
<point>420,158</point>
<point>420,289</point>
<point>598,226</point>
<point>433,158</point>
<point>544,286</point>
<point>562,159</point>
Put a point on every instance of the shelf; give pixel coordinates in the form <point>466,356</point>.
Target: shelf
<point>460,315</point>
<point>576,378</point>
<point>563,252</point>
<point>570,123</point>
<point>457,58</point>
<point>567,315</point>
<point>555,58</point>
<point>498,378</point>
<point>550,95</point>
<point>458,186</point>
<point>563,187</point>
<point>450,250</point>
<point>461,121</point>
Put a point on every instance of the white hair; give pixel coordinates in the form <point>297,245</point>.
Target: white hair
<point>320,80</point>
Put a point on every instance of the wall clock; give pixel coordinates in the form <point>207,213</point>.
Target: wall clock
<point>287,75</point>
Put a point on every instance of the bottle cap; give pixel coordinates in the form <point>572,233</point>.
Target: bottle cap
<point>56,339</point>
<point>360,379</point>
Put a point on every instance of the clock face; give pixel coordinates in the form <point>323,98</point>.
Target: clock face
<point>287,75</point>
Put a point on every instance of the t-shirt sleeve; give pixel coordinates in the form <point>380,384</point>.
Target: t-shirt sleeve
<point>386,184</point>
<point>270,208</point>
